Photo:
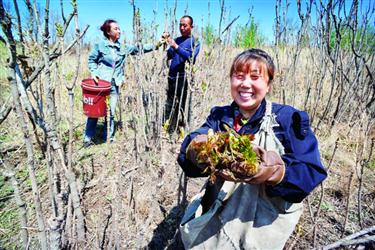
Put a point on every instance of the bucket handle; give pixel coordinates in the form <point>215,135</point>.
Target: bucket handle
<point>95,101</point>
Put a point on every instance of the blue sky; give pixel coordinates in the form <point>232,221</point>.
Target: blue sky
<point>94,12</point>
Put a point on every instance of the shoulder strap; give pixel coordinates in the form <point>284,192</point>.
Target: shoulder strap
<point>268,107</point>
<point>266,137</point>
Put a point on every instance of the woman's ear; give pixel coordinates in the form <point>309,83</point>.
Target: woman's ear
<point>269,89</point>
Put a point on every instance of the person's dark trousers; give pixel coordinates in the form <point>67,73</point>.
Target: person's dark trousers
<point>176,102</point>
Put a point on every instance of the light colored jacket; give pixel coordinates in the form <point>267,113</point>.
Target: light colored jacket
<point>107,59</point>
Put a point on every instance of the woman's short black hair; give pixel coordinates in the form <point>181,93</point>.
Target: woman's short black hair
<point>243,60</point>
<point>106,27</point>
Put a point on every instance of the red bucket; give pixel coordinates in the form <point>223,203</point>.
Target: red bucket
<point>94,97</point>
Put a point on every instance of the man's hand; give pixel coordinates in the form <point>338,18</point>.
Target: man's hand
<point>163,40</point>
<point>172,43</point>
<point>165,35</point>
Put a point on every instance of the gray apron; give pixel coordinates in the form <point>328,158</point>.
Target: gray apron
<point>240,215</point>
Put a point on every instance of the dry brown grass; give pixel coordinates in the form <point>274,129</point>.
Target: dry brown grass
<point>130,189</point>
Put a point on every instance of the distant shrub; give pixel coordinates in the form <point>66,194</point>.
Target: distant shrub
<point>209,35</point>
<point>362,39</point>
<point>248,36</point>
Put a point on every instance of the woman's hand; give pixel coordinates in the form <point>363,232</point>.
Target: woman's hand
<point>192,154</point>
<point>227,175</point>
<point>272,168</point>
<point>96,79</point>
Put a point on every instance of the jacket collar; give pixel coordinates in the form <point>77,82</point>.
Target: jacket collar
<point>110,44</point>
<point>235,111</point>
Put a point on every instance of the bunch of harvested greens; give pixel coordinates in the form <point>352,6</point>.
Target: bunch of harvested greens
<point>229,152</point>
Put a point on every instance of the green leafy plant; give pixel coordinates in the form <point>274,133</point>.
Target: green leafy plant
<point>348,39</point>
<point>74,3</point>
<point>248,36</point>
<point>326,206</point>
<point>59,29</point>
<point>204,86</point>
<point>209,35</point>
<point>228,152</point>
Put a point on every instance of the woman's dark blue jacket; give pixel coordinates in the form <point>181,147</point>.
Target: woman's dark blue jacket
<point>304,170</point>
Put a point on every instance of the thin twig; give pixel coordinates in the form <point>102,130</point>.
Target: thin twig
<point>349,238</point>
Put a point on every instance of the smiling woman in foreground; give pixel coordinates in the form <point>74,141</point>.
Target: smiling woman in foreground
<point>257,211</point>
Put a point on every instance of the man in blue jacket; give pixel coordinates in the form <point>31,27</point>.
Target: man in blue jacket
<point>182,49</point>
